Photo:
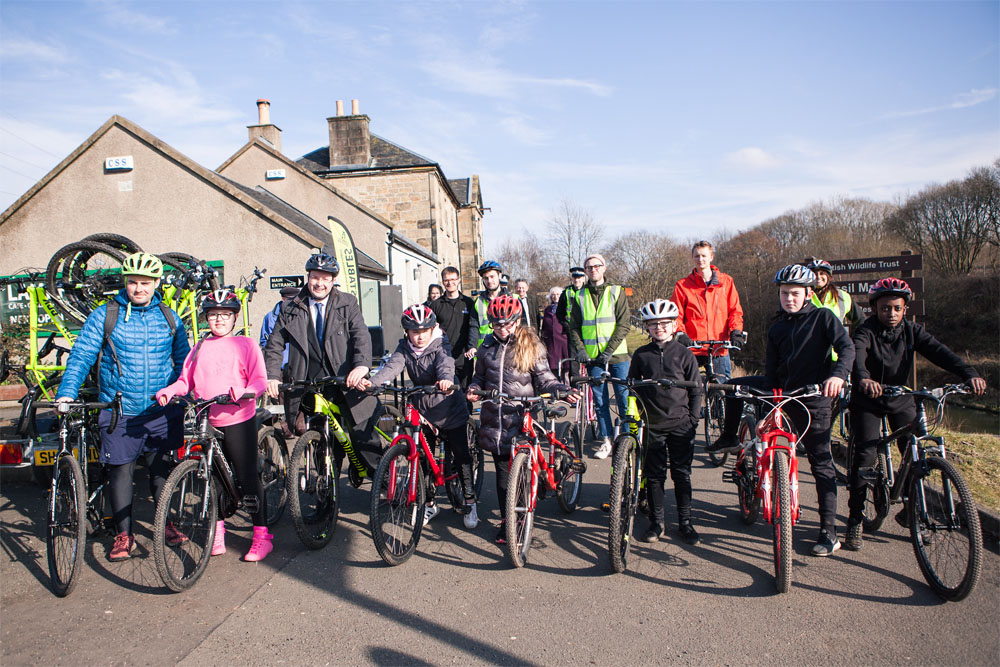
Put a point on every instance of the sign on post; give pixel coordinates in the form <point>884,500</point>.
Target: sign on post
<point>886,265</point>
<point>277,282</point>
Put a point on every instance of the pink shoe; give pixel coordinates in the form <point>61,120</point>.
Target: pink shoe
<point>219,547</point>
<point>261,545</point>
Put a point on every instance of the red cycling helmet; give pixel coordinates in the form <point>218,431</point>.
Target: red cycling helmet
<point>418,316</point>
<point>889,287</point>
<point>503,309</point>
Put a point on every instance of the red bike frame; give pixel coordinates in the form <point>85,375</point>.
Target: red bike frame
<point>769,429</point>
<point>413,418</point>
<point>538,463</point>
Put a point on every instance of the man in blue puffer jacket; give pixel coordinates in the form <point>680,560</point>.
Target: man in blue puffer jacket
<point>144,353</point>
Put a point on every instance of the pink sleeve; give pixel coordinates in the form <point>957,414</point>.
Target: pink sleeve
<point>253,370</point>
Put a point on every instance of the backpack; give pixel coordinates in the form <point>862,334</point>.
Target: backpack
<point>110,321</point>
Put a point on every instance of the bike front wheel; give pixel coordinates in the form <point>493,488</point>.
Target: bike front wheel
<point>624,487</point>
<point>312,488</point>
<point>781,522</point>
<point>272,465</point>
<point>570,476</point>
<point>188,503</point>
<point>715,404</point>
<point>519,513</point>
<point>67,528</point>
<point>945,530</point>
<point>395,522</point>
<point>877,497</point>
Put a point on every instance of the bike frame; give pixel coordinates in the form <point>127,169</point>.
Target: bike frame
<point>541,469</point>
<point>768,431</point>
<point>413,418</point>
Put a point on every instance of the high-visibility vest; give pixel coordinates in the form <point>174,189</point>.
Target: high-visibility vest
<point>571,294</point>
<point>599,323</point>
<point>485,328</point>
<point>840,304</point>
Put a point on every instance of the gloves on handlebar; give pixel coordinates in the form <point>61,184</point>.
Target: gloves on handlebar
<point>737,337</point>
<point>582,357</point>
<point>684,339</point>
<point>602,359</point>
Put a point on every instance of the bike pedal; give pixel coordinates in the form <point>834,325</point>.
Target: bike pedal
<point>579,466</point>
<point>606,507</point>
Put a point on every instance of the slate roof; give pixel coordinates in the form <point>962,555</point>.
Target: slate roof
<point>304,222</point>
<point>460,186</point>
<point>385,155</point>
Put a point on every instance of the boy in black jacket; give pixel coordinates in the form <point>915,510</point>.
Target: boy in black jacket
<point>798,354</point>
<point>884,346</point>
<point>671,416</point>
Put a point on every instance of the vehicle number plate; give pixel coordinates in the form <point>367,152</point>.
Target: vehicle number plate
<point>47,457</point>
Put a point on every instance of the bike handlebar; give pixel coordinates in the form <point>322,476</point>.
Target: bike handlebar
<point>634,382</point>
<point>723,344</point>
<point>494,394</point>
<point>321,382</point>
<point>745,391</point>
<point>406,391</point>
<point>936,394</point>
<point>66,407</point>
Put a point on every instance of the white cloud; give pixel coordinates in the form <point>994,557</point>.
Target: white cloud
<point>751,157</point>
<point>174,100</point>
<point>523,130</point>
<point>20,48</point>
<point>962,101</point>
<point>488,79</point>
<point>124,15</point>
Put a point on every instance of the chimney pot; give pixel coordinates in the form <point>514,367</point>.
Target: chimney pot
<point>340,107</point>
<point>263,112</point>
<point>354,108</point>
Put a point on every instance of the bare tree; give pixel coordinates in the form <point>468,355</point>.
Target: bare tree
<point>572,233</point>
<point>950,224</point>
<point>649,263</point>
<point>526,257</point>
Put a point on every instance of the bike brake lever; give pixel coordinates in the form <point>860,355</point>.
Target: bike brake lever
<point>116,412</point>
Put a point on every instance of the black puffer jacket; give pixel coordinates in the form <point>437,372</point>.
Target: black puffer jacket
<point>434,363</point>
<point>495,370</point>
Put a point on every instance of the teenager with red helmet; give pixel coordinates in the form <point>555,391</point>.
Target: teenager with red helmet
<point>884,349</point>
<point>425,355</point>
<point>512,359</point>
<point>223,363</point>
<point>799,342</point>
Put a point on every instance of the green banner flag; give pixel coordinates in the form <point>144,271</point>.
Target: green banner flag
<point>346,255</point>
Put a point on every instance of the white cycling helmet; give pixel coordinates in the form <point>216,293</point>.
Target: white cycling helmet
<point>659,309</point>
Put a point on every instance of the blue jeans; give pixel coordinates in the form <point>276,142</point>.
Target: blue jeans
<point>723,366</point>
<point>601,397</point>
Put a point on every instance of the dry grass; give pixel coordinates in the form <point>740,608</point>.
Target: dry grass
<point>977,456</point>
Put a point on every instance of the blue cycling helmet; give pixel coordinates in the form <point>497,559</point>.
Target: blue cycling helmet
<point>323,262</point>
<point>490,265</point>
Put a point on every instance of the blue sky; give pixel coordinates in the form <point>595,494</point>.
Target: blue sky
<point>687,118</point>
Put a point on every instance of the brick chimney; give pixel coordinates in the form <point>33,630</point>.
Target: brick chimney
<point>350,142</point>
<point>265,129</point>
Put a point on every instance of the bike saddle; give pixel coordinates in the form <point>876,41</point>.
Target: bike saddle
<point>555,411</point>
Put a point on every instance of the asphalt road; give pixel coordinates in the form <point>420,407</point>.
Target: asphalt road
<point>457,601</point>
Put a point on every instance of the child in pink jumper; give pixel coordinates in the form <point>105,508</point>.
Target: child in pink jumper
<point>226,364</point>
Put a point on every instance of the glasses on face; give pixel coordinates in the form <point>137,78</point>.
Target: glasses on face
<point>450,280</point>
<point>506,326</point>
<point>659,325</point>
<point>591,267</point>
<point>225,315</point>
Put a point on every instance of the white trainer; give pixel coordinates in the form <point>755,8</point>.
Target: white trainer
<point>471,519</point>
<point>430,511</point>
<point>605,449</point>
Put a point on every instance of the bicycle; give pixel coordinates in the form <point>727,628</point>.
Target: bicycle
<point>627,481</point>
<point>399,487</point>
<point>533,475</point>
<point>190,499</point>
<point>313,479</point>
<point>714,409</point>
<point>766,473</point>
<point>72,506</point>
<point>945,530</point>
<point>584,415</point>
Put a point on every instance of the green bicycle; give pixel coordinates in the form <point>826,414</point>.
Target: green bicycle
<point>313,479</point>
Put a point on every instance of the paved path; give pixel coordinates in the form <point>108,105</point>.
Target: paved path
<point>458,602</point>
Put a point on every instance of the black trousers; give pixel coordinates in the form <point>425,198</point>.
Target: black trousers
<point>816,442</point>
<point>502,465</point>
<point>240,448</point>
<point>120,486</point>
<point>671,449</point>
<point>866,430</point>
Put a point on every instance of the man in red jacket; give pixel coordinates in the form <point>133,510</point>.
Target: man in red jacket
<point>710,307</point>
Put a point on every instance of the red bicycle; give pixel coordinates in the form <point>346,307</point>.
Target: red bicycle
<point>400,491</point>
<point>766,473</point>
<point>533,474</point>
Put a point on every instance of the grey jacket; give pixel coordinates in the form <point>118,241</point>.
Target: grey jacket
<point>434,364</point>
<point>346,343</point>
<point>495,370</point>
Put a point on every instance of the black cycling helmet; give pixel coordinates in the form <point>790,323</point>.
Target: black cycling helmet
<point>817,264</point>
<point>418,316</point>
<point>220,298</point>
<point>795,274</point>
<point>323,262</point>
<point>489,265</point>
<point>889,287</point>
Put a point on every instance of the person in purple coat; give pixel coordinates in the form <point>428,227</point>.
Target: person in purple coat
<point>552,333</point>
